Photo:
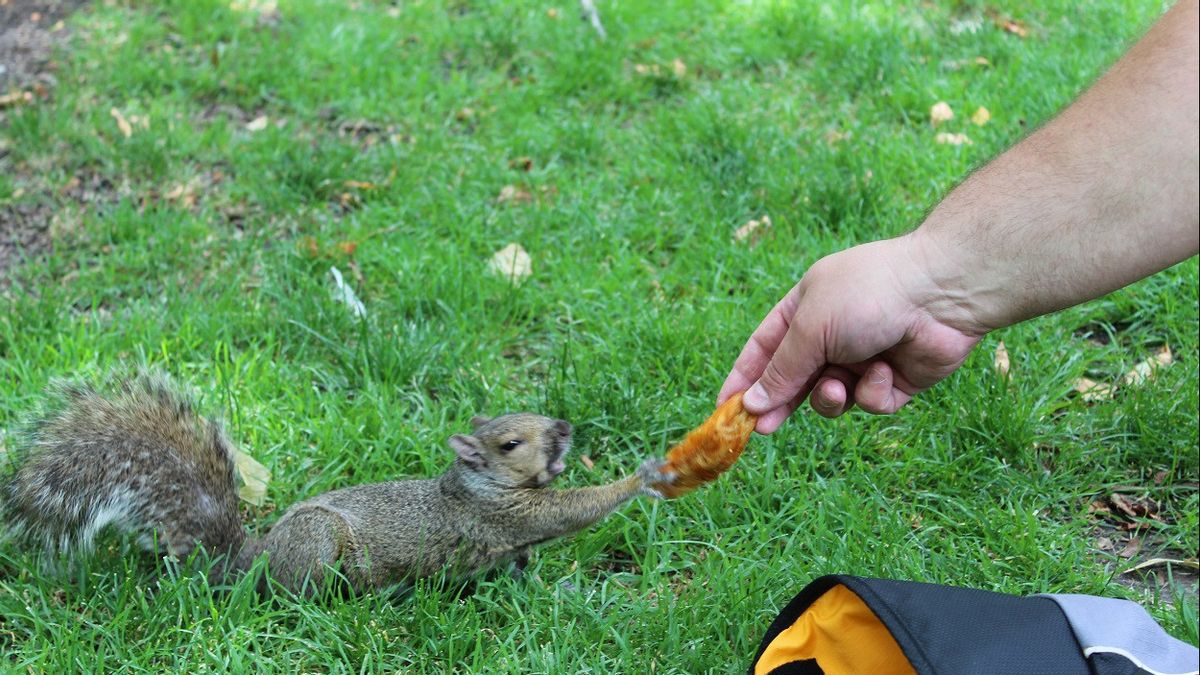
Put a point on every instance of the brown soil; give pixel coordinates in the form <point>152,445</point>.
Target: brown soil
<point>29,32</point>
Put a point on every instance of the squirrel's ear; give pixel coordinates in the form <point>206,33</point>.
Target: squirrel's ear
<point>468,448</point>
<point>479,420</point>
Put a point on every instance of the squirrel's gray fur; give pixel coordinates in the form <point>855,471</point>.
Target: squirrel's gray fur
<point>143,460</point>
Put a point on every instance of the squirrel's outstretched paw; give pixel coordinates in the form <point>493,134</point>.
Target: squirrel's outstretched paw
<point>651,472</point>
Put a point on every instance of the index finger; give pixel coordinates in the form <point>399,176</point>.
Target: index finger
<point>763,342</point>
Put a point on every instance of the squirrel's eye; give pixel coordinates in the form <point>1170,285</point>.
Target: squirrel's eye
<point>510,445</point>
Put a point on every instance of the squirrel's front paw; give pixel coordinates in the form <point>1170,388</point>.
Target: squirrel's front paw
<point>651,472</point>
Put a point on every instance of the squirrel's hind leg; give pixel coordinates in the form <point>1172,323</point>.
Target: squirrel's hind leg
<point>306,547</point>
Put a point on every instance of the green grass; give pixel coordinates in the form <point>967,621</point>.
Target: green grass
<point>638,304</point>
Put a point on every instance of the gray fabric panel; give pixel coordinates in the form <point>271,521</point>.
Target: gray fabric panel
<point>1123,627</point>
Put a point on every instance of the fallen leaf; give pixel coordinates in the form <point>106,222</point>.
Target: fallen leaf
<point>123,124</point>
<point>982,61</point>
<point>940,112</point>
<point>1123,504</point>
<point>1000,361</point>
<point>360,185</point>
<point>514,194</point>
<point>648,70</point>
<point>1190,563</point>
<point>552,12</point>
<point>348,247</point>
<point>753,230</point>
<point>679,68</point>
<point>254,477</point>
<point>952,139</point>
<point>587,462</point>
<point>258,6</point>
<point>970,25</point>
<point>1013,26</point>
<point>981,116</point>
<point>1104,544</point>
<point>1131,548</point>
<point>184,194</point>
<point>521,163</point>
<point>258,123</point>
<point>833,136</point>
<point>465,114</point>
<point>512,263</point>
<point>1093,391</point>
<point>1146,368</point>
<point>15,98</point>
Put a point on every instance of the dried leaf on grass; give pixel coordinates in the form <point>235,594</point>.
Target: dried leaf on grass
<point>1189,563</point>
<point>940,112</point>
<point>15,98</point>
<point>981,116</point>
<point>1131,548</point>
<point>677,68</point>
<point>1146,368</point>
<point>1093,391</point>
<point>123,124</point>
<point>1001,361</point>
<point>258,123</point>
<point>521,163</point>
<point>512,263</point>
<point>514,195</point>
<point>254,478</point>
<point>753,230</point>
<point>1013,26</point>
<point>953,139</point>
<point>587,462</point>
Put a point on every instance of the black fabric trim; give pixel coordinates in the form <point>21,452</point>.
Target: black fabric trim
<point>788,615</point>
<point>805,667</point>
<point>948,630</point>
<point>895,625</point>
<point>1107,663</point>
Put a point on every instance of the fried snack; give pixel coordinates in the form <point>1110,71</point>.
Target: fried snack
<point>709,449</point>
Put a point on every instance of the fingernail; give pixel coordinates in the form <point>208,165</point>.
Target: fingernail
<point>756,397</point>
<point>875,375</point>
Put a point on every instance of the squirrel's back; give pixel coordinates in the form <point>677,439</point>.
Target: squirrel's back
<point>140,459</point>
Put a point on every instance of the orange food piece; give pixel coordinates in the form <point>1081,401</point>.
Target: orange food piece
<point>709,449</point>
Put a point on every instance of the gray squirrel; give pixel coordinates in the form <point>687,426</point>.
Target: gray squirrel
<point>141,459</point>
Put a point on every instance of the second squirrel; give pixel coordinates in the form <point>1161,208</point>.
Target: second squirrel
<point>143,461</point>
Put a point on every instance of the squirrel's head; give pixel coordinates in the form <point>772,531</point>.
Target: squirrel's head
<point>518,450</point>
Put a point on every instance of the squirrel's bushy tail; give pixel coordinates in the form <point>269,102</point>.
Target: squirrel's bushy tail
<point>138,458</point>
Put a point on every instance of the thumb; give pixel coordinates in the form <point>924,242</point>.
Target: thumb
<point>790,374</point>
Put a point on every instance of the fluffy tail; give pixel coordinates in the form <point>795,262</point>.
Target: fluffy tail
<point>140,459</point>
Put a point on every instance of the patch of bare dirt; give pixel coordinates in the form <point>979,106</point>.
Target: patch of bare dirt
<point>29,32</point>
<point>1126,531</point>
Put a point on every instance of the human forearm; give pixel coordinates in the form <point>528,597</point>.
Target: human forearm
<point>1103,195</point>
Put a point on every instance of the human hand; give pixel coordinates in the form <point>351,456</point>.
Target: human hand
<point>867,326</point>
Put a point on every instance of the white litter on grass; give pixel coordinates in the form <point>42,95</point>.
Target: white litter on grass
<point>346,295</point>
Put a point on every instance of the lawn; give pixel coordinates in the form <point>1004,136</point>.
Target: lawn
<point>196,168</point>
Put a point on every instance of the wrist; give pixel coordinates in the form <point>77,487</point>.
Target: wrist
<point>957,287</point>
